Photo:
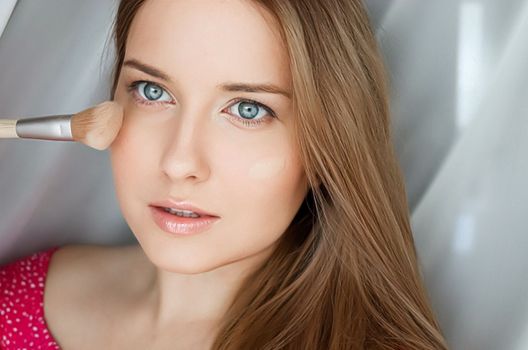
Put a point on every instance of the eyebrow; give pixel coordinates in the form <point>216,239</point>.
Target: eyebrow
<point>244,87</point>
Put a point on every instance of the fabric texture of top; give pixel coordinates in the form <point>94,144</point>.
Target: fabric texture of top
<point>22,321</point>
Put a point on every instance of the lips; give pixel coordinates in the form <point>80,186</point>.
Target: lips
<point>182,205</point>
<point>181,226</point>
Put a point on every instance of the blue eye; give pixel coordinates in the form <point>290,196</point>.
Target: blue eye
<point>149,93</point>
<point>250,112</point>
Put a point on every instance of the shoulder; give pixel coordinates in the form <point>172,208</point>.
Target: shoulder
<point>83,278</point>
<point>70,263</point>
<point>81,284</point>
<point>75,258</point>
<point>77,265</point>
<point>89,272</point>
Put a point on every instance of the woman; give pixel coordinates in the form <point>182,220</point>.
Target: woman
<point>270,120</point>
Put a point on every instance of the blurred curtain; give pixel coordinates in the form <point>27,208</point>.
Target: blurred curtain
<point>460,113</point>
<point>6,8</point>
<point>460,117</point>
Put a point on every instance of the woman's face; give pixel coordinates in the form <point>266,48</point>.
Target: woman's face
<point>187,138</point>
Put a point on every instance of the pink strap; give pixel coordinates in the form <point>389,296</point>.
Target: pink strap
<point>22,323</point>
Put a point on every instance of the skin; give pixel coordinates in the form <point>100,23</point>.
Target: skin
<point>191,145</point>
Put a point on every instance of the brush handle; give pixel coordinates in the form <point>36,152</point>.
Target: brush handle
<point>54,127</point>
<point>8,129</point>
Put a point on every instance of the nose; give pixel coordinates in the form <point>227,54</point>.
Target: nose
<point>184,149</point>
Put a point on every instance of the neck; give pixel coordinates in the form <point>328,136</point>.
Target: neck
<point>174,299</point>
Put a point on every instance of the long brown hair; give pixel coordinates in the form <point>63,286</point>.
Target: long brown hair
<point>345,274</point>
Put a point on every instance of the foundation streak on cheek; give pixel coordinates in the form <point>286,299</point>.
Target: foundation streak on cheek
<point>266,168</point>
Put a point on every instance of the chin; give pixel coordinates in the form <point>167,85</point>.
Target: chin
<point>188,262</point>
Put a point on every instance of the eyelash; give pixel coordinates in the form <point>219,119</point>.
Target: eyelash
<point>132,88</point>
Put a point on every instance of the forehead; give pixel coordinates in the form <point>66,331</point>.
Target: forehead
<point>209,40</point>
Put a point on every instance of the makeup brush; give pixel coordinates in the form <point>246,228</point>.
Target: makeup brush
<point>95,127</point>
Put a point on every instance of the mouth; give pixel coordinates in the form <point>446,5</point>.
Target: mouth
<point>183,213</point>
<point>182,209</point>
<point>181,224</point>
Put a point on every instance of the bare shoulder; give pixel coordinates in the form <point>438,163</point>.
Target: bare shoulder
<point>81,283</point>
<point>84,270</point>
<point>73,264</point>
<point>78,255</point>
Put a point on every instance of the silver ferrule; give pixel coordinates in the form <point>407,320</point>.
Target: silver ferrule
<point>54,127</point>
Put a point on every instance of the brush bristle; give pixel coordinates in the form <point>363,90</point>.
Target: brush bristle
<point>98,126</point>
<point>8,128</point>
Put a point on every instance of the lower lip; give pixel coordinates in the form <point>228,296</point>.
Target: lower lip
<point>180,225</point>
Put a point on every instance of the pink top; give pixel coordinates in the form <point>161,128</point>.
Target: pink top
<point>22,321</point>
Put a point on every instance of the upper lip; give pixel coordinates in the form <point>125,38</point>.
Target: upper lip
<point>169,203</point>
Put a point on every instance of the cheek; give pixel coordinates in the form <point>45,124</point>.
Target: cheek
<point>261,204</point>
<point>277,182</point>
<point>278,189</point>
<point>131,157</point>
<point>264,190</point>
<point>123,163</point>
<point>267,168</point>
<point>258,169</point>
